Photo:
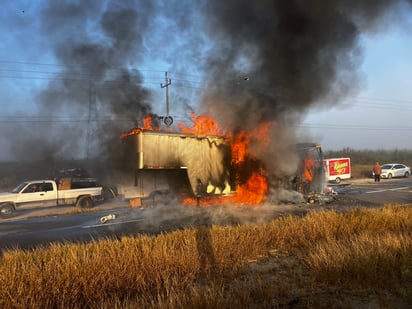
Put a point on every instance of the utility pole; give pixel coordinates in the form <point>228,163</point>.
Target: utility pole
<point>168,120</point>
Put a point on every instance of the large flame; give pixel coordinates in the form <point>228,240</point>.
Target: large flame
<point>253,192</point>
<point>240,142</point>
<point>202,125</point>
<point>254,189</point>
<point>147,125</point>
<point>239,147</point>
<point>308,169</point>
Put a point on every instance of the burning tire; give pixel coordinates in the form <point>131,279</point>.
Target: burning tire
<point>84,202</point>
<point>6,210</point>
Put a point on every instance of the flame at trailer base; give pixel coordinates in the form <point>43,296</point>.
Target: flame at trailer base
<point>253,192</point>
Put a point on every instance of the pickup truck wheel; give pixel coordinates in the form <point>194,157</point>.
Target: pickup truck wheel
<point>6,210</point>
<point>109,193</point>
<point>85,202</point>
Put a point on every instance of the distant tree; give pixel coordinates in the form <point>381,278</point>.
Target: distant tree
<point>370,156</point>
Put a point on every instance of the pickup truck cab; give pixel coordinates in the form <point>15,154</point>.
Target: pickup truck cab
<point>44,193</point>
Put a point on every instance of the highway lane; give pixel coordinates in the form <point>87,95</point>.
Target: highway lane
<point>28,232</point>
<point>387,191</point>
<point>33,232</point>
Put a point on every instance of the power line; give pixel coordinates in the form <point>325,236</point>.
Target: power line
<point>62,78</point>
<point>87,120</point>
<point>85,73</point>
<point>355,127</point>
<point>87,68</point>
<point>381,99</point>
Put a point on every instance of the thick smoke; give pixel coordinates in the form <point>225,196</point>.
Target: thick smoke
<point>295,54</point>
<point>98,88</point>
<point>262,61</point>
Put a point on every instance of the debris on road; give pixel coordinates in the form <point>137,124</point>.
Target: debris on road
<point>104,219</point>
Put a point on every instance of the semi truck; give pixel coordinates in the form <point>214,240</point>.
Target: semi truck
<point>162,163</point>
<point>309,176</point>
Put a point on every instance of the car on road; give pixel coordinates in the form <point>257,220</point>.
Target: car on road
<point>391,170</point>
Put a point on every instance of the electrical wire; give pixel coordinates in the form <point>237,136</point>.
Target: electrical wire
<point>85,74</point>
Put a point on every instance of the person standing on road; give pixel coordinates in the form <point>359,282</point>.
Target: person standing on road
<point>377,170</point>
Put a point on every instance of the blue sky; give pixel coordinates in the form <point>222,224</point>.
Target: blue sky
<point>380,115</point>
<point>375,115</point>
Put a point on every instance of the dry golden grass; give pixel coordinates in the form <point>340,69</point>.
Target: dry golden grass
<point>326,259</point>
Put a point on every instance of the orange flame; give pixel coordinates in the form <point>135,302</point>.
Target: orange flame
<point>308,165</point>
<point>202,125</point>
<point>147,125</point>
<point>239,147</point>
<point>253,192</point>
<point>241,142</point>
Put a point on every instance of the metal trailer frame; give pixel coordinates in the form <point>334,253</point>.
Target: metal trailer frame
<point>205,159</point>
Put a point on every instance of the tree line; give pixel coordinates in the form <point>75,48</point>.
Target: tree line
<point>370,156</point>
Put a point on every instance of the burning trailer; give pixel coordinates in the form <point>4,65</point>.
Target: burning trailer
<point>161,165</point>
<point>165,162</point>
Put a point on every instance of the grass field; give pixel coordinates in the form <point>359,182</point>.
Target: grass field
<point>357,259</point>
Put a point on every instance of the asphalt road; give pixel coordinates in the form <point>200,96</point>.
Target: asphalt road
<point>28,233</point>
<point>387,191</point>
<point>35,228</point>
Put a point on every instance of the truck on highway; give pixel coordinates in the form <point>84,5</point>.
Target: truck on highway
<point>160,165</point>
<point>337,169</point>
<point>44,193</point>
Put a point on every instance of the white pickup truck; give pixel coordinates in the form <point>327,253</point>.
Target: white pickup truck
<point>43,193</point>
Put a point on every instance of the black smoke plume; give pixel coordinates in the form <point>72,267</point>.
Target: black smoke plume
<point>266,60</point>
<point>295,54</point>
<point>98,45</point>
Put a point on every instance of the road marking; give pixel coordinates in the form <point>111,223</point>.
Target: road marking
<point>112,223</point>
<point>393,189</point>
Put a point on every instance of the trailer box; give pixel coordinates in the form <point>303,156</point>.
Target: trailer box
<point>337,169</point>
<point>161,161</point>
